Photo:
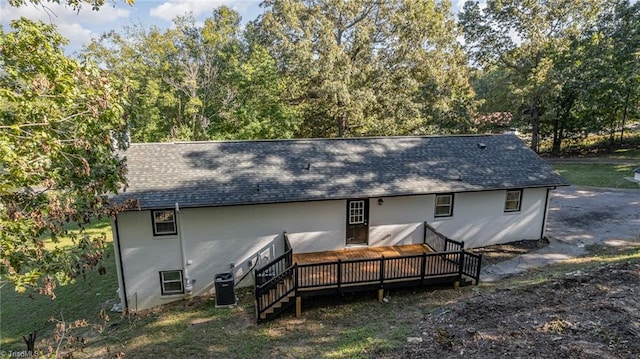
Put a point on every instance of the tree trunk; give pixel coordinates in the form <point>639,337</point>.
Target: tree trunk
<point>342,125</point>
<point>558,124</point>
<point>624,114</point>
<point>535,127</point>
<point>30,341</point>
<point>556,136</point>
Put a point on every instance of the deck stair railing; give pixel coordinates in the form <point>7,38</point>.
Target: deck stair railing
<point>274,284</point>
<point>471,264</point>
<point>438,242</point>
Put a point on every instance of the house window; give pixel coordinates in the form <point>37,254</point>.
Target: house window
<point>171,282</point>
<point>164,222</point>
<point>512,202</point>
<point>444,205</point>
<point>356,212</point>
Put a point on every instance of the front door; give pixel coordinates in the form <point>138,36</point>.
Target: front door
<point>357,221</point>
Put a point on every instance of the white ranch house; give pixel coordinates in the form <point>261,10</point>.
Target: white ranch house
<point>210,207</point>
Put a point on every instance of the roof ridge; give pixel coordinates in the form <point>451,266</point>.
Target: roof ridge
<point>317,139</point>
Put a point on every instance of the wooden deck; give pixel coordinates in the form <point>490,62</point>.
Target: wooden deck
<point>361,253</point>
<point>373,267</point>
<point>296,275</point>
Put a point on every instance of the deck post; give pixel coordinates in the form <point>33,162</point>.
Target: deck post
<point>298,307</point>
<point>339,272</point>
<point>460,265</point>
<point>295,276</point>
<point>423,270</point>
<point>456,284</point>
<point>257,309</point>
<point>478,269</point>
<point>424,233</point>
<point>382,272</point>
<point>381,295</point>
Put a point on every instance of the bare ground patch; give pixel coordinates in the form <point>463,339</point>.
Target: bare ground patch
<point>587,313</point>
<point>501,252</point>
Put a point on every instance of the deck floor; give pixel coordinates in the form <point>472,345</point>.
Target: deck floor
<point>360,253</point>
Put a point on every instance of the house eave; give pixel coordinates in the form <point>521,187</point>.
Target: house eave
<point>143,207</point>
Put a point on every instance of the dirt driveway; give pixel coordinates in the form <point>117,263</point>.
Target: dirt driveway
<point>578,217</point>
<point>585,215</point>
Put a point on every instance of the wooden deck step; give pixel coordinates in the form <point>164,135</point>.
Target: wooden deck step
<point>279,290</point>
<point>285,300</point>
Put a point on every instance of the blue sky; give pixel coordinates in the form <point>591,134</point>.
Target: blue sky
<point>80,27</point>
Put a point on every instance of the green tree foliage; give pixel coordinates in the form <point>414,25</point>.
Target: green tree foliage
<point>610,69</point>
<point>563,67</point>
<point>197,82</point>
<point>370,67</point>
<point>61,121</point>
<point>521,38</point>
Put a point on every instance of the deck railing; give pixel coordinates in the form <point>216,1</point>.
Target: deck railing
<point>438,242</point>
<point>277,266</point>
<point>352,272</point>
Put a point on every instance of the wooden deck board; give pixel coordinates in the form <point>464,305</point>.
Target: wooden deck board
<point>360,253</point>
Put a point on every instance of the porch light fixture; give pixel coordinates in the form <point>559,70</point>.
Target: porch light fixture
<point>380,201</point>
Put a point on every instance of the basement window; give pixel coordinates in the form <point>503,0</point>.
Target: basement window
<point>171,282</point>
<point>512,202</point>
<point>164,222</point>
<point>444,205</point>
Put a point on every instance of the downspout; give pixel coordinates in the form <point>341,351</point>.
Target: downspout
<point>124,285</point>
<point>188,283</point>
<point>544,214</point>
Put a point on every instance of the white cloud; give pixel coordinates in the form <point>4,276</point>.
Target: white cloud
<point>60,14</point>
<point>76,34</point>
<point>77,26</point>
<point>172,8</point>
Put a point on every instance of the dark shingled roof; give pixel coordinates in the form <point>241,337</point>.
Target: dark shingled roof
<point>196,174</point>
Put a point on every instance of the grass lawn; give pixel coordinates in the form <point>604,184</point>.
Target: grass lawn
<point>598,174</point>
<point>21,314</point>
<point>624,153</point>
<point>349,326</point>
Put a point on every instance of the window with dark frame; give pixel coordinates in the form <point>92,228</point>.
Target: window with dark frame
<point>444,205</point>
<point>171,282</point>
<point>512,201</point>
<point>164,222</point>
